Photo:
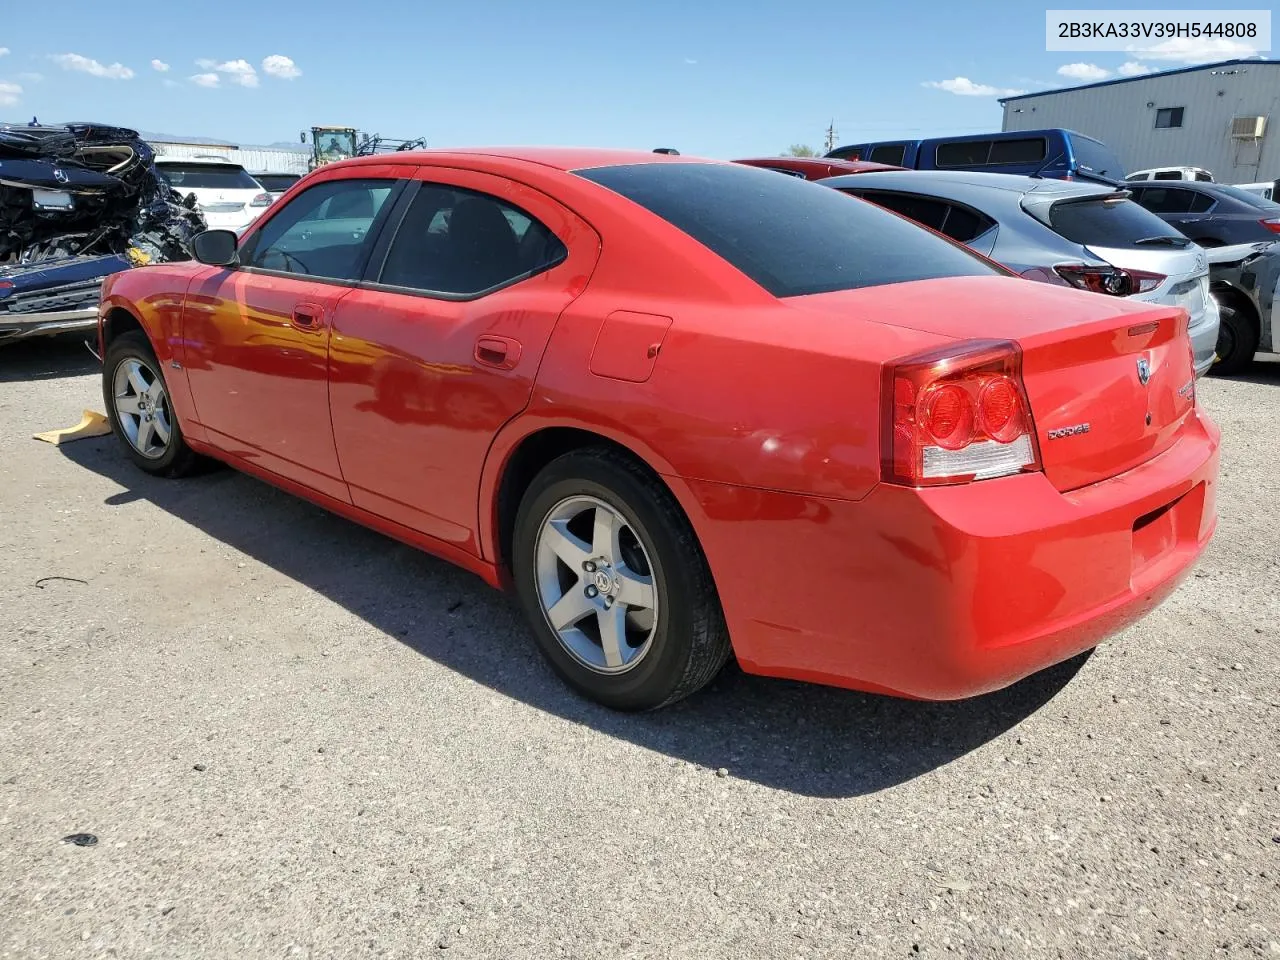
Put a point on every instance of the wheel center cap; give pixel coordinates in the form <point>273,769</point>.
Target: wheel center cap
<point>604,582</point>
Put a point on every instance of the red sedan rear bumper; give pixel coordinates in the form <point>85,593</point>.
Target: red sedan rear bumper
<point>950,592</point>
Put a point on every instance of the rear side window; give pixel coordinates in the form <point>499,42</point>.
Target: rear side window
<point>891,153</point>
<point>206,176</point>
<point>461,243</point>
<point>791,237</point>
<point>959,223</point>
<point>1107,222</point>
<point>1201,203</point>
<point>971,153</point>
<point>1203,177</point>
<point>1030,150</point>
<point>990,153</point>
<point>1168,175</point>
<point>845,153</point>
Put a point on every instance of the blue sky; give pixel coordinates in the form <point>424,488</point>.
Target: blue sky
<point>708,77</point>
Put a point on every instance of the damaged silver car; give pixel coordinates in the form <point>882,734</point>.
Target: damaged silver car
<point>78,202</point>
<point>1245,280</point>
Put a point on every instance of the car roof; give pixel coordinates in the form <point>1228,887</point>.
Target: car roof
<point>559,158</point>
<point>818,163</point>
<point>920,181</point>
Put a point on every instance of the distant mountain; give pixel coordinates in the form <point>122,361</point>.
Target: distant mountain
<point>214,142</point>
<point>170,138</point>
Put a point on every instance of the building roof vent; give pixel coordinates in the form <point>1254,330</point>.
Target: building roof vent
<point>1248,128</point>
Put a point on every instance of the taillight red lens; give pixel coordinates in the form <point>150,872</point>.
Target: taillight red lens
<point>1000,409</point>
<point>261,200</point>
<point>1273,225</point>
<point>1109,280</point>
<point>946,413</point>
<point>957,414</point>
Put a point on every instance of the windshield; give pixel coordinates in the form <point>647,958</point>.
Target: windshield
<point>790,236</point>
<point>206,176</point>
<point>1244,196</point>
<point>277,182</point>
<point>1092,157</point>
<point>335,144</point>
<point>1107,221</point>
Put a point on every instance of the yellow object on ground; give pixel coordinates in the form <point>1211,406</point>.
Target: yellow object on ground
<point>92,424</point>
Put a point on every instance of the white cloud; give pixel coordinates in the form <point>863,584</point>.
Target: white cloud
<point>10,94</point>
<point>160,65</point>
<point>280,66</point>
<point>204,63</point>
<point>205,79</point>
<point>73,61</point>
<point>4,51</point>
<point>964,87</point>
<point>690,62</point>
<point>1133,69</point>
<point>239,71</point>
<point>1188,50</point>
<point>1083,71</point>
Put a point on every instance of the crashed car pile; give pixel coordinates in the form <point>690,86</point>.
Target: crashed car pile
<point>79,202</point>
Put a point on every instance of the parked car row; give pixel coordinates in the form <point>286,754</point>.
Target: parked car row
<point>689,409</point>
<point>1129,239</point>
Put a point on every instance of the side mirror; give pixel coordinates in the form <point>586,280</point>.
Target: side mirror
<point>217,248</point>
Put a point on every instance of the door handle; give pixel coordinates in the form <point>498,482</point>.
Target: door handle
<point>500,352</point>
<point>308,316</point>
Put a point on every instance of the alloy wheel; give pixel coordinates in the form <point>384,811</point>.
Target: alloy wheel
<point>596,584</point>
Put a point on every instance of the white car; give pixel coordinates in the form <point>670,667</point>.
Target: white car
<point>228,197</point>
<point>1199,174</point>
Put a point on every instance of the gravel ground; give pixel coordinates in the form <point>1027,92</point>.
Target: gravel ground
<point>293,737</point>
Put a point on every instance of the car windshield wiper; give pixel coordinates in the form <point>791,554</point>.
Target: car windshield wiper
<point>1169,241</point>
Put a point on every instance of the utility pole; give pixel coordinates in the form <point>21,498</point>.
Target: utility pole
<point>831,137</point>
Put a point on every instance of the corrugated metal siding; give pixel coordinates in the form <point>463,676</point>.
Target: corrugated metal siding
<point>253,159</point>
<point>1119,116</point>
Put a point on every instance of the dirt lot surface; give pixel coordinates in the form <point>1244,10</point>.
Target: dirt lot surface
<point>293,737</point>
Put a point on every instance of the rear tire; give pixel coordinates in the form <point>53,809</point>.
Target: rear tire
<point>1237,340</point>
<point>602,549</point>
<point>138,406</point>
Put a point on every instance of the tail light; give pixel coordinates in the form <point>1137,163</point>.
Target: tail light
<point>1273,224</point>
<point>6,288</point>
<point>957,414</point>
<point>261,200</point>
<point>1109,280</point>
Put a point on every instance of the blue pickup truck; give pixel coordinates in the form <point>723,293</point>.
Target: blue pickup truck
<point>1060,154</point>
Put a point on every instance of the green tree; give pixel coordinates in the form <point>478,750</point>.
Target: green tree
<point>800,150</point>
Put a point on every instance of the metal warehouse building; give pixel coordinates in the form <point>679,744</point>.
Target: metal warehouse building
<point>1218,116</point>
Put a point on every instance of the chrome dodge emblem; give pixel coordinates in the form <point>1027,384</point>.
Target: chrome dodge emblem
<point>1144,371</point>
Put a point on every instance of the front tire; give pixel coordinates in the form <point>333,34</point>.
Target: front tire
<point>614,584</point>
<point>137,401</point>
<point>1237,341</point>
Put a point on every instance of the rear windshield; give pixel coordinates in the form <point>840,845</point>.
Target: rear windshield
<point>1107,222</point>
<point>790,236</point>
<point>208,176</point>
<point>1092,157</point>
<point>277,181</point>
<point>1244,196</point>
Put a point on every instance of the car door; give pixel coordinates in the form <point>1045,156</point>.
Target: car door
<point>440,346</point>
<point>257,335</point>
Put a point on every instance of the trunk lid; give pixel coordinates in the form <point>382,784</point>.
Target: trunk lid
<point>1110,381</point>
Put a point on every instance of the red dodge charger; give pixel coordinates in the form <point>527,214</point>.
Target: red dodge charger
<point>686,409</point>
